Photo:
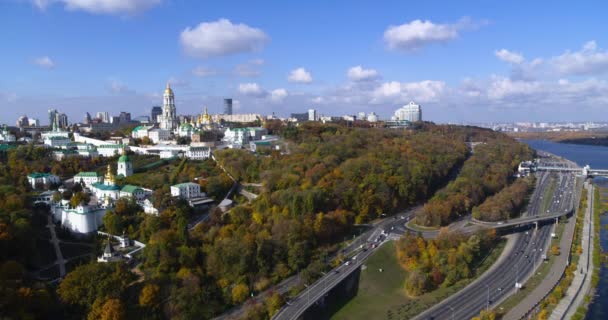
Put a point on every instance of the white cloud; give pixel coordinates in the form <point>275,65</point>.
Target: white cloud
<point>252,89</point>
<point>202,71</point>
<point>589,60</point>
<point>221,37</point>
<point>118,87</point>
<point>178,82</point>
<point>44,62</point>
<point>101,6</point>
<point>278,95</point>
<point>417,34</point>
<point>359,74</point>
<point>501,88</point>
<point>509,56</point>
<point>398,92</point>
<point>300,75</point>
<point>250,68</point>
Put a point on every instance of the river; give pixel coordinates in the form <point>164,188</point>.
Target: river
<point>596,157</point>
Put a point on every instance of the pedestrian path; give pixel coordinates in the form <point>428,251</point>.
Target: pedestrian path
<point>55,241</point>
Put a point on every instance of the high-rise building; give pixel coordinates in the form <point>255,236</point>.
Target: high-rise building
<point>410,112</point>
<point>372,117</point>
<point>52,117</point>
<point>361,116</point>
<point>228,106</point>
<point>300,117</point>
<point>312,115</point>
<point>124,117</point>
<point>87,118</point>
<point>23,121</point>
<point>33,122</point>
<point>168,120</point>
<point>62,120</point>
<point>156,111</point>
<point>104,116</point>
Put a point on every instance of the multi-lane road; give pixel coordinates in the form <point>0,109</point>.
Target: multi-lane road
<point>522,258</point>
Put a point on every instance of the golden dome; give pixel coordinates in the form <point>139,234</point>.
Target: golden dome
<point>109,178</point>
<point>168,89</point>
<point>205,118</point>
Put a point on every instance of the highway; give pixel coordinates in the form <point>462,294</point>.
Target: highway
<point>371,240</point>
<point>522,259</point>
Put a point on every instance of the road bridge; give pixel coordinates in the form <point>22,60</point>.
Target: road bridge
<point>518,222</point>
<point>586,170</point>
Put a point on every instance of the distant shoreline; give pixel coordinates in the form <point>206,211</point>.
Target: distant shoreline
<point>577,137</point>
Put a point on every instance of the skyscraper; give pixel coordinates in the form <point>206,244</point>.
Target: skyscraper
<point>228,106</point>
<point>312,115</point>
<point>62,120</point>
<point>52,117</point>
<point>156,111</point>
<point>104,116</point>
<point>168,119</point>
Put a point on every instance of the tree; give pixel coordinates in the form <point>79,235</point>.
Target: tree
<point>416,283</point>
<point>274,303</point>
<point>92,281</point>
<point>240,293</point>
<point>56,196</point>
<point>113,223</point>
<point>555,250</point>
<point>150,296</point>
<point>110,309</point>
<point>486,315</point>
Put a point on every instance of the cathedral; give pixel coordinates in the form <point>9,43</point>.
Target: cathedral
<point>168,119</point>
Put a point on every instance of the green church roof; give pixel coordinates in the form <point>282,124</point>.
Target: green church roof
<point>124,158</point>
<point>130,188</point>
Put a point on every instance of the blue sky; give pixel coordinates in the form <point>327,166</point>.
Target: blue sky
<point>464,61</point>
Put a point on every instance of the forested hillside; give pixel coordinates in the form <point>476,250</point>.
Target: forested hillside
<point>325,180</point>
<point>487,171</point>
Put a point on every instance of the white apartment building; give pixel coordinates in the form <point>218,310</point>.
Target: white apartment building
<point>410,112</point>
<point>141,132</point>
<point>57,141</point>
<point>88,178</point>
<point>36,179</point>
<point>158,135</point>
<point>109,150</point>
<point>198,153</point>
<point>187,191</point>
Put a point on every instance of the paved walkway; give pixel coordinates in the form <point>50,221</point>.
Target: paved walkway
<point>582,279</point>
<point>552,278</point>
<point>55,241</point>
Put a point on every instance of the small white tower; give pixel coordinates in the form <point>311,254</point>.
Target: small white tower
<point>125,167</point>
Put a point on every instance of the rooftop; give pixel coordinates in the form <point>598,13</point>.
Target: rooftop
<point>124,158</point>
<point>185,184</point>
<point>130,188</point>
<point>37,175</point>
<point>105,187</point>
<point>88,174</point>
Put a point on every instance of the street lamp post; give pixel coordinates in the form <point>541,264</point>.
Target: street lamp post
<point>516,276</point>
<point>488,299</point>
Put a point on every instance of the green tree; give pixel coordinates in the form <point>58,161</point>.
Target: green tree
<point>92,281</point>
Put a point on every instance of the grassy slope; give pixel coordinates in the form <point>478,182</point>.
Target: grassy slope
<point>382,295</point>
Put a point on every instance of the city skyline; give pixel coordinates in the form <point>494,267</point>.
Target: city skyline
<point>469,62</point>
